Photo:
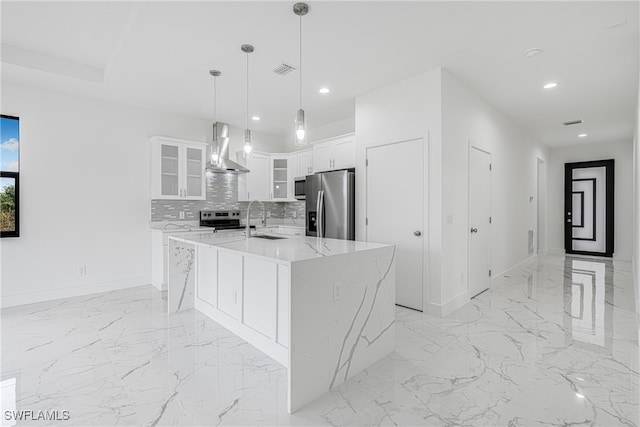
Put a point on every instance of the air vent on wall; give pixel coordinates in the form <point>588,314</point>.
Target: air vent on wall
<point>283,69</point>
<point>572,122</point>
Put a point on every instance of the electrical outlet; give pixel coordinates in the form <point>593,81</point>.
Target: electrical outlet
<point>82,271</point>
<point>295,214</point>
<point>449,219</point>
<point>181,215</point>
<point>268,214</point>
<point>337,291</point>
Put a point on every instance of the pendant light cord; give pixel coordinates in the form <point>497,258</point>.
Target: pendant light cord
<point>215,110</point>
<point>247,90</point>
<point>301,62</point>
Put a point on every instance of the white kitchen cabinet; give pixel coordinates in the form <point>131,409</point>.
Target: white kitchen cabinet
<point>305,163</point>
<point>260,292</point>
<point>335,153</point>
<point>207,274</point>
<point>230,283</point>
<point>322,156</point>
<point>177,169</point>
<point>281,177</point>
<point>254,185</point>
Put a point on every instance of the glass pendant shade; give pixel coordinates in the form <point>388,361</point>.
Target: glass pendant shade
<point>247,142</point>
<point>301,128</point>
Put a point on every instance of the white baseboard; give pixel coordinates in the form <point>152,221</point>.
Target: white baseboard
<point>448,307</point>
<point>555,251</point>
<point>72,291</point>
<point>531,258</point>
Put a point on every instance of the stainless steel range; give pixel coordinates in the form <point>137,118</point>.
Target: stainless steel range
<point>221,220</point>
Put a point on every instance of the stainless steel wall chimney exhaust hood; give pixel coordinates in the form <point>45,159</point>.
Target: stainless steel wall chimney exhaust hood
<point>220,146</point>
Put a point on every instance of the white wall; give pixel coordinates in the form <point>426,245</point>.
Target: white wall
<point>438,107</point>
<point>468,119</point>
<point>621,152</point>
<point>406,110</point>
<point>636,204</point>
<point>84,193</point>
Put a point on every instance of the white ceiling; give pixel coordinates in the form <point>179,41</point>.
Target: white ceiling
<point>158,55</point>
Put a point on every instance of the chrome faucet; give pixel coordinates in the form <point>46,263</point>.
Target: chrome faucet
<point>264,221</point>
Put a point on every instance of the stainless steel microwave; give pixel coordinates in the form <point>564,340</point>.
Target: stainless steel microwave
<point>298,188</point>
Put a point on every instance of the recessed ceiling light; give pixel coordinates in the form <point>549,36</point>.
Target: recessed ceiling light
<point>582,135</point>
<point>532,52</point>
<point>580,395</point>
<point>256,118</point>
<point>550,85</point>
<point>324,90</point>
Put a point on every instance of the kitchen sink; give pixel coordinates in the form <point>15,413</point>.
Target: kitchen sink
<point>268,237</point>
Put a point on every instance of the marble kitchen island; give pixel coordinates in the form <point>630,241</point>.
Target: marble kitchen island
<point>323,308</point>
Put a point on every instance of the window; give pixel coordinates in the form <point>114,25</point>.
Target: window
<point>9,176</point>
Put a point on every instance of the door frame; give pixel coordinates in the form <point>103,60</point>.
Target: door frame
<point>484,150</point>
<point>609,166</point>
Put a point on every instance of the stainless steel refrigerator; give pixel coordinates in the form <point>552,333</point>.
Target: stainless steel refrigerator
<point>330,205</point>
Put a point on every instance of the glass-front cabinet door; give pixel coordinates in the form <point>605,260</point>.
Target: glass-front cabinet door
<point>194,176</point>
<point>170,170</point>
<point>280,177</point>
<point>280,181</point>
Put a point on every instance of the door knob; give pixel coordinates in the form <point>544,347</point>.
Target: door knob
<point>474,230</point>
<point>417,233</point>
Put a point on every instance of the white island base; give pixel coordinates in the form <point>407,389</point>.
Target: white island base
<point>323,308</point>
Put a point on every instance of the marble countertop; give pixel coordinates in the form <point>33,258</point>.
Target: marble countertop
<point>286,250</point>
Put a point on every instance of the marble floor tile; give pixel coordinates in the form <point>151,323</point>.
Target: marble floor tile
<point>552,342</point>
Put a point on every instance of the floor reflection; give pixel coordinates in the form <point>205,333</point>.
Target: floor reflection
<point>588,296</point>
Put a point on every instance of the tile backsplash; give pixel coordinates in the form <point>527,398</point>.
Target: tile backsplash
<point>222,194</point>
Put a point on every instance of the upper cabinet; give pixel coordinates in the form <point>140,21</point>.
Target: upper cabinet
<point>304,163</point>
<point>271,176</point>
<point>281,177</point>
<point>255,184</point>
<point>335,153</point>
<point>177,169</point>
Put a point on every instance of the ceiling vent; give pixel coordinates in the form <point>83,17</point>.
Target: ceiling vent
<point>572,122</point>
<point>283,69</point>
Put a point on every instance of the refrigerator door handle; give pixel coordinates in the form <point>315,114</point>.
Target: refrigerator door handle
<point>318,214</point>
<point>321,214</point>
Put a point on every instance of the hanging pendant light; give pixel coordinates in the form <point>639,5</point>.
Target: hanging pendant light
<point>300,9</point>
<point>248,146</point>
<point>215,144</point>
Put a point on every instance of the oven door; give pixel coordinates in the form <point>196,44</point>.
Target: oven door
<point>298,188</point>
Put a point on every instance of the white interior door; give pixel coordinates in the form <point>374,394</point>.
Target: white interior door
<point>395,206</point>
<point>479,220</point>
